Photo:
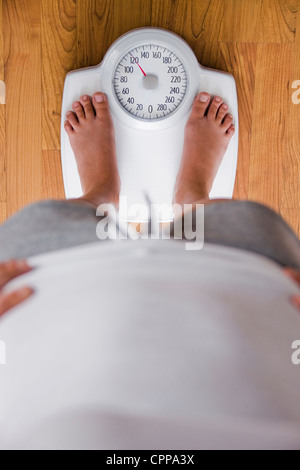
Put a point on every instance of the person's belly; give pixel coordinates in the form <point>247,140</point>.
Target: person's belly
<point>147,328</point>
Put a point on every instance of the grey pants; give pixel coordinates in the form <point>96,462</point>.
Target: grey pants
<point>55,225</point>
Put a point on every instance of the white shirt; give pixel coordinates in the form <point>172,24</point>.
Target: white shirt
<point>132,345</point>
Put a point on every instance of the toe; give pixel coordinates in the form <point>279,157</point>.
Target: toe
<point>227,121</point>
<point>231,130</point>
<point>78,110</point>
<point>222,112</point>
<point>200,104</point>
<point>86,102</point>
<point>68,128</point>
<point>214,108</point>
<point>100,103</point>
<point>72,118</point>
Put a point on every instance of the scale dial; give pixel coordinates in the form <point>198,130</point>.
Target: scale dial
<point>150,82</point>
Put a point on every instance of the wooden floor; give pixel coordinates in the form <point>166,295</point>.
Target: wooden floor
<point>258,41</point>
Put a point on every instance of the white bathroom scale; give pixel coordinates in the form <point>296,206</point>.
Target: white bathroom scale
<point>151,77</point>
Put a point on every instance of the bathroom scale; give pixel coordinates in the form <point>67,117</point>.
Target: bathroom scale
<point>151,77</point>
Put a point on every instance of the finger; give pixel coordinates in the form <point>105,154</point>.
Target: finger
<point>292,274</point>
<point>12,269</point>
<point>296,301</point>
<point>9,301</point>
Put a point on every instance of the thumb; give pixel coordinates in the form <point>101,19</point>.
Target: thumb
<point>292,274</point>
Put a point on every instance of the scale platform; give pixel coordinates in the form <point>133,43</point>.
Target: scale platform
<point>151,77</point>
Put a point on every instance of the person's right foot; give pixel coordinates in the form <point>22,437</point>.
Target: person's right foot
<point>91,133</point>
<point>207,135</point>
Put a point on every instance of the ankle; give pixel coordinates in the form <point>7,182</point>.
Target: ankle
<point>191,195</point>
<point>96,198</point>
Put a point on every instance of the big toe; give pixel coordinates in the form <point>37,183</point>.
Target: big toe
<point>100,103</point>
<point>201,104</point>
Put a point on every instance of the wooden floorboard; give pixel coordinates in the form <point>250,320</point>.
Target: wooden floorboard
<point>22,41</point>
<point>101,23</point>
<point>271,104</point>
<point>52,181</point>
<point>59,56</point>
<point>291,164</point>
<point>3,195</point>
<point>292,217</point>
<point>256,40</point>
<point>3,214</point>
<point>265,21</point>
<point>243,69</point>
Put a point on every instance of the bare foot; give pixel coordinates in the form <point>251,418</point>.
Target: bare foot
<point>91,133</point>
<point>207,135</point>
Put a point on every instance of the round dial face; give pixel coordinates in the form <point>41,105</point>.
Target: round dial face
<point>150,82</point>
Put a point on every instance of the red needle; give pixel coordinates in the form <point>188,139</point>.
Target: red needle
<point>142,70</point>
<point>140,67</point>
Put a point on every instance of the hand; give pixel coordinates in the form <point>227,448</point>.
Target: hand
<point>295,276</point>
<point>8,272</point>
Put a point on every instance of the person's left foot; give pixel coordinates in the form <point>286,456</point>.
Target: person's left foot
<point>91,133</point>
<point>207,135</point>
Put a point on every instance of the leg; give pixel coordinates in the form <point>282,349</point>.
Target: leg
<point>240,224</point>
<point>91,133</point>
<point>54,225</point>
<point>207,135</point>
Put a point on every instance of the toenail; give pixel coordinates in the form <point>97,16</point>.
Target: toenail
<point>76,104</point>
<point>85,98</point>
<point>99,98</point>
<point>69,113</point>
<point>225,106</point>
<point>218,99</point>
<point>203,98</point>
